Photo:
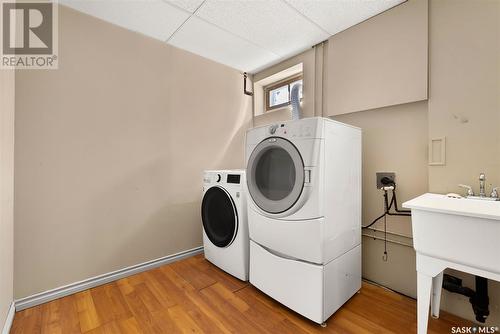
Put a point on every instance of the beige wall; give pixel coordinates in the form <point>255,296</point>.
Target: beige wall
<point>110,150</point>
<point>380,62</point>
<point>6,191</point>
<point>464,101</point>
<point>464,106</point>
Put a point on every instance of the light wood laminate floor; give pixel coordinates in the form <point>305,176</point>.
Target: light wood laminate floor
<point>193,296</point>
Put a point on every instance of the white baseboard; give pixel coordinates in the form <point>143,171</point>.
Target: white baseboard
<point>10,318</point>
<point>72,288</point>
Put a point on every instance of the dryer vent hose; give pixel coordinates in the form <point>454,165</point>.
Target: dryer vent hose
<point>295,100</point>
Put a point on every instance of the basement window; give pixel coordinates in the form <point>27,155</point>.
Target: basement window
<point>278,95</point>
<point>272,88</point>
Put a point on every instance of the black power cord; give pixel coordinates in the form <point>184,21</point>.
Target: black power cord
<point>389,184</point>
<point>388,205</point>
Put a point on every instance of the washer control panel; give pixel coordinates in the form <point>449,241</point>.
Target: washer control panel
<point>234,178</point>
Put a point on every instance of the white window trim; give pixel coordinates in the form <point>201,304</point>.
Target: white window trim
<point>259,103</point>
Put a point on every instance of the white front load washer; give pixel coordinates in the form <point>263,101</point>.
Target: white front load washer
<point>224,217</point>
<point>304,213</point>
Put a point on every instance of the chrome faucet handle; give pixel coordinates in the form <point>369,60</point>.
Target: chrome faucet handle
<point>482,179</point>
<point>494,192</point>
<point>470,192</point>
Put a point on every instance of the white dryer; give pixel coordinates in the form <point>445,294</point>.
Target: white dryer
<point>224,217</point>
<point>304,213</point>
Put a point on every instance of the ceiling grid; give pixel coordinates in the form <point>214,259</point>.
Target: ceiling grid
<point>248,35</point>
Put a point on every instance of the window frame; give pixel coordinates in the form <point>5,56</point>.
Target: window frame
<point>281,83</point>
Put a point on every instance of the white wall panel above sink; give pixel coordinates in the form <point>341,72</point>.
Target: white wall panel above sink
<point>202,38</point>
<point>154,18</point>
<point>271,24</point>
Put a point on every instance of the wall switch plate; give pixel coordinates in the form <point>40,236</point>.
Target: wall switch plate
<point>381,175</point>
<point>437,151</point>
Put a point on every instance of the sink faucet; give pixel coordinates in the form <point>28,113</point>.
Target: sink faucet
<point>468,189</point>
<point>482,179</point>
<point>494,196</point>
<point>494,192</point>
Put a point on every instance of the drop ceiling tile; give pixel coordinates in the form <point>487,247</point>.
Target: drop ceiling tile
<point>270,24</point>
<point>335,16</point>
<point>189,5</point>
<point>209,41</point>
<point>154,18</point>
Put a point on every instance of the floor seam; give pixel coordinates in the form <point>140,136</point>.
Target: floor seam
<point>244,287</point>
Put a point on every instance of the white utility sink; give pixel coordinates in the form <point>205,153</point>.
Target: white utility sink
<point>456,233</point>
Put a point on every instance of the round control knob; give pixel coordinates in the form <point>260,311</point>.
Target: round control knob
<point>218,178</point>
<point>273,128</point>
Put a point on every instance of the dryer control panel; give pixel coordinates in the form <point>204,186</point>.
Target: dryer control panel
<point>292,130</point>
<point>305,128</point>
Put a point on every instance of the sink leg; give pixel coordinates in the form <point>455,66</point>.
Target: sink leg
<point>437,284</point>
<point>424,284</point>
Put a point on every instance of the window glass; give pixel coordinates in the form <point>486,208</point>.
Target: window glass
<point>278,96</point>
<point>275,174</point>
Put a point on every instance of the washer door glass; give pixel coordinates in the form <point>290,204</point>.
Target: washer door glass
<point>219,216</point>
<point>275,175</point>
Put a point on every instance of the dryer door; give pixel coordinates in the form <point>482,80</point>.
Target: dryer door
<point>275,175</point>
<point>219,216</point>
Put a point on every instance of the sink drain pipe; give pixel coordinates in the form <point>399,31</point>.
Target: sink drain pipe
<point>479,299</point>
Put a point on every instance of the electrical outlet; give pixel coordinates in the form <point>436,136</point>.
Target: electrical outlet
<point>381,175</point>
